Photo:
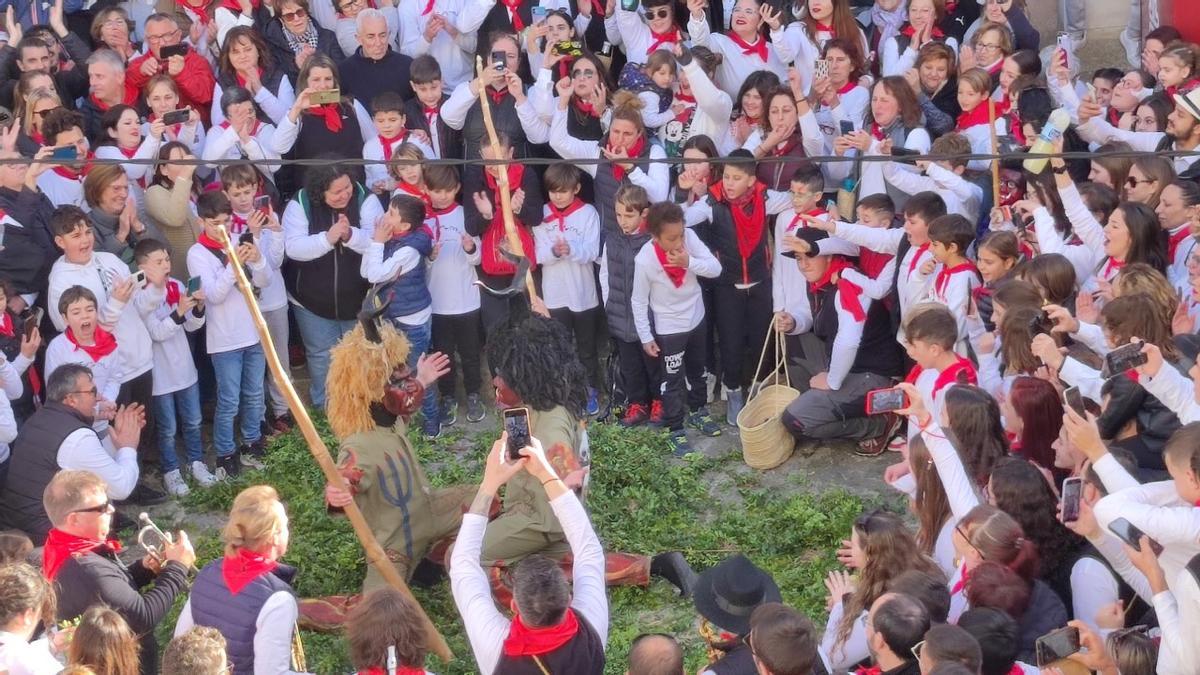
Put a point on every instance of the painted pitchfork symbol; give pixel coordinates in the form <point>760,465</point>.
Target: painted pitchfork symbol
<point>397,493</point>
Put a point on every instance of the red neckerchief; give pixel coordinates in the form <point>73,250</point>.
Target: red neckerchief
<point>973,118</point>
<point>584,108</point>
<point>877,132</point>
<point>497,95</point>
<point>130,98</point>
<point>1114,116</point>
<point>634,151</point>
<point>253,130</point>
<point>200,13</point>
<point>849,293</point>
<point>437,214</point>
<point>1133,375</point>
<point>912,264</point>
<point>241,80</point>
<point>1016,670</point>
<point>105,344</point>
<point>1171,91</point>
<point>850,85</point>
<point>686,98</point>
<point>174,127</point>
<point>409,188</point>
<point>825,28</point>
<point>748,226</point>
<point>6,325</point>
<point>490,259</point>
<point>71,173</point>
<point>37,137</point>
<point>525,641</point>
<point>512,6</point>
<point>758,48</point>
<point>909,31</point>
<point>1015,126</point>
<point>428,8</point>
<point>400,670</point>
<point>237,224</point>
<point>943,276</point>
<point>173,293</point>
<point>598,8</point>
<point>210,243</point>
<point>245,566</point>
<point>128,152</point>
<point>675,273</point>
<point>387,142</point>
<point>960,372</point>
<point>752,121</point>
<point>1173,241</point>
<point>330,114</point>
<point>815,213</point>
<point>516,173</point>
<point>1113,266</point>
<point>873,670</point>
<point>561,216</point>
<point>60,546</point>
<point>660,39</point>
<point>1003,106</point>
<point>430,113</point>
<point>787,146</point>
<point>962,581</point>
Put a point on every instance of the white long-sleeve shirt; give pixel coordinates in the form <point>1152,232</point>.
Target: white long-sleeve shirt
<point>486,627</point>
<point>458,105</point>
<point>139,174</point>
<point>452,274</point>
<point>275,104</point>
<point>373,150</point>
<point>83,451</point>
<point>1099,131</point>
<point>230,325</point>
<point>872,181</point>
<point>895,62</point>
<point>376,269</point>
<point>62,190</point>
<point>174,368</point>
<point>636,36</point>
<point>1082,257</point>
<point>21,657</point>
<point>960,195</point>
<point>713,107</point>
<point>912,286</point>
<point>1178,612</point>
<point>960,488</point>
<point>654,176</point>
<point>736,66</point>
<point>453,54</point>
<point>272,635</point>
<point>569,281</point>
<point>270,245</point>
<point>105,372</point>
<point>223,143</point>
<point>301,246</point>
<point>1175,391</point>
<point>676,310</point>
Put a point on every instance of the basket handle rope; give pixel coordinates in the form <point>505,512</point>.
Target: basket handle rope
<point>774,336</point>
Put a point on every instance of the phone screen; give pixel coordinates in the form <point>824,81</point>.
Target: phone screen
<point>499,60</point>
<point>846,127</point>
<point>246,238</point>
<point>516,425</point>
<point>176,117</point>
<point>1123,358</point>
<point>885,400</point>
<point>139,278</point>
<point>1131,535</point>
<point>262,202</point>
<point>1075,400</point>
<point>33,321</point>
<point>1056,645</point>
<point>193,285</point>
<point>1072,490</point>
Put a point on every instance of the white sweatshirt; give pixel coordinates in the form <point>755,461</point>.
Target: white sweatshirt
<point>452,274</point>
<point>570,281</point>
<point>736,66</point>
<point>230,324</point>
<point>174,369</point>
<point>676,310</point>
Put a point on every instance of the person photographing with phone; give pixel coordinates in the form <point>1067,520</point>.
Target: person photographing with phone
<point>167,53</point>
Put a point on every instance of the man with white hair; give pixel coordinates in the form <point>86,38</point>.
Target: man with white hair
<point>375,67</point>
<point>107,87</point>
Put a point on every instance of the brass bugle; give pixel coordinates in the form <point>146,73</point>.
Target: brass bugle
<point>152,539</point>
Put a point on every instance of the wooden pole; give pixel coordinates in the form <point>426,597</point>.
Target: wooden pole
<point>502,186</point>
<point>376,557</point>
<point>995,151</point>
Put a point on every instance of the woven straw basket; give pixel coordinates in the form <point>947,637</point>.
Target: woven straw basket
<point>766,443</point>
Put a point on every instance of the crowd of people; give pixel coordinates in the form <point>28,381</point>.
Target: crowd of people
<point>617,207</point>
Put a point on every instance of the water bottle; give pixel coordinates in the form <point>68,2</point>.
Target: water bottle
<point>1055,126</point>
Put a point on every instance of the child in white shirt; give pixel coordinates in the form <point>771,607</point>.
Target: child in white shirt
<point>387,111</point>
<point>86,343</point>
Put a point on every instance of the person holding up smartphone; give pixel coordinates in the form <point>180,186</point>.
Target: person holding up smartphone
<point>166,53</point>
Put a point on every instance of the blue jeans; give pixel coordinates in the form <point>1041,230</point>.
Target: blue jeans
<point>418,343</point>
<point>239,382</point>
<point>186,402</point>
<point>319,336</point>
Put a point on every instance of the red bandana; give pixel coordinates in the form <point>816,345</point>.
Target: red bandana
<point>241,80</point>
<point>491,261</point>
<point>210,243</point>
<point>912,264</point>
<point>172,293</point>
<point>1174,240</point>
<point>105,344</point>
<point>877,131</point>
<point>437,214</point>
<point>849,293</point>
<point>815,213</point>
<point>961,583</point>
<point>525,641</point>
<point>850,85</point>
<point>909,31</point>
<point>759,48</point>
<point>244,567</point>
<point>6,325</point>
<point>131,97</point>
<point>330,114</point>
<point>1190,84</point>
<point>585,108</point>
<point>634,151</point>
<point>512,6</point>
<point>200,13</point>
<point>873,670</point>
<point>973,118</point>
<point>942,280</point>
<point>961,372</point>
<point>497,95</point>
<point>61,546</point>
<point>1111,269</point>
<point>660,39</point>
<point>430,113</point>
<point>428,8</point>
<point>825,28</point>
<point>686,98</point>
<point>675,273</point>
<point>561,216</point>
<point>748,226</point>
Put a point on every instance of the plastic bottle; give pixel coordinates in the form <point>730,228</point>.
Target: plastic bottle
<point>1055,126</point>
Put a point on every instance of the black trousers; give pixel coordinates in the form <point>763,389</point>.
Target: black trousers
<point>743,317</point>
<point>641,376</point>
<point>140,390</point>
<point>682,359</point>
<point>459,334</point>
<point>584,326</point>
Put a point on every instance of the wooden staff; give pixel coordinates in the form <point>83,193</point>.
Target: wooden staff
<point>374,552</point>
<point>510,224</point>
<point>995,152</point>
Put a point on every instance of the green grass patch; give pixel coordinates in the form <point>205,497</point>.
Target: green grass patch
<point>640,501</point>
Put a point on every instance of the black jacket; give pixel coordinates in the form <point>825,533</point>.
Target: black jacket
<point>1155,423</point>
<point>1045,613</point>
<point>365,78</point>
<point>101,578</point>
<point>71,84</point>
<point>29,250</point>
<point>285,58</point>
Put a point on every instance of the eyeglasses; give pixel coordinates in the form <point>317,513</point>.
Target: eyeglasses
<point>916,650</point>
<point>1134,182</point>
<point>349,4</point>
<point>583,72</point>
<point>163,36</point>
<point>985,46</point>
<point>106,507</point>
<point>292,16</point>
<point>93,391</point>
<point>47,111</point>
<point>658,13</point>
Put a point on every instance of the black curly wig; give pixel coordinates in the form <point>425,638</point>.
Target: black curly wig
<point>538,360</point>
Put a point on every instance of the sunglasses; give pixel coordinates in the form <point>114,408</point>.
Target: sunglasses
<point>105,507</point>
<point>1133,182</point>
<point>658,13</point>
<point>916,650</point>
<point>292,16</point>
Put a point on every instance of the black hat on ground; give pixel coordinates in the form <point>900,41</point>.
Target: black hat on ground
<point>727,594</point>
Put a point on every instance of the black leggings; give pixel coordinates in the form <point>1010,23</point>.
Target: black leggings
<point>459,333</point>
<point>641,376</point>
<point>584,326</point>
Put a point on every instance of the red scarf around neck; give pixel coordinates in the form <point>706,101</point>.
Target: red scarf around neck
<point>561,216</point>
<point>1112,267</point>
<point>389,142</point>
<point>200,13</point>
<point>241,80</point>
<point>61,546</point>
<point>330,114</point>
<point>975,117</point>
<point>245,566</point>
<point>634,151</point>
<point>920,251</point>
<point>960,372</point>
<point>513,7</point>
<point>877,132</point>
<point>675,273</point>
<point>824,28</point>
<point>1174,240</point>
<point>525,641</point>
<point>749,225</point>
<point>491,260</point>
<point>942,280</point>
<point>759,48</point>
<point>660,39</point>
<point>233,6</point>
<point>909,31</point>
<point>105,344</point>
<point>210,243</point>
<point>497,95</point>
<point>848,292</point>
<point>6,324</point>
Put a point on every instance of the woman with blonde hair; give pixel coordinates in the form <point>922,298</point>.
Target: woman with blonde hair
<point>104,643</point>
<point>246,593</point>
<point>30,107</point>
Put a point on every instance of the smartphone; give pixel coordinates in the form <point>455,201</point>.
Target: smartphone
<point>538,13</point>
<point>165,53</point>
<point>1040,323</point>
<point>629,5</point>
<point>32,321</point>
<point>1091,92</point>
<point>193,285</point>
<point>1072,490</point>
<point>516,425</point>
<point>246,238</point>
<point>905,152</point>
<point>1064,43</point>
<point>605,49</point>
<point>325,97</point>
<point>65,152</point>
<point>1056,645</point>
<point>568,48</point>
<point>886,400</point>
<point>500,61</point>
<point>262,203</point>
<point>831,207</point>
<point>139,279</point>
<point>176,116</point>
<point>1126,532</point>
<point>1123,358</point>
<point>820,69</point>
<point>1075,399</point>
<point>846,127</point>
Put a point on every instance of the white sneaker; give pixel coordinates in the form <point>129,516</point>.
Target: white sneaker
<point>176,486</point>
<point>202,476</point>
